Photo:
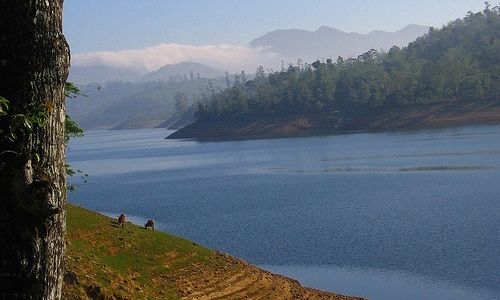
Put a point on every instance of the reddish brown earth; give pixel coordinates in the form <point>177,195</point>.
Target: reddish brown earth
<point>429,116</point>
<point>105,261</point>
<point>401,118</point>
<point>240,280</point>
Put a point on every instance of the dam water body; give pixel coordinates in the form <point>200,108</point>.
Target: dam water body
<point>394,215</point>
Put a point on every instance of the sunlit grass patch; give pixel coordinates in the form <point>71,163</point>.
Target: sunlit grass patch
<point>129,261</point>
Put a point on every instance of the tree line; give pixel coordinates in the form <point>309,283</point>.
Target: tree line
<point>458,62</point>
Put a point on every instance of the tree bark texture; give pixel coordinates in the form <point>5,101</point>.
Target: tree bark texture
<point>34,62</point>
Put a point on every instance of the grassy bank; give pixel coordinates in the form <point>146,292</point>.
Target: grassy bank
<point>105,261</point>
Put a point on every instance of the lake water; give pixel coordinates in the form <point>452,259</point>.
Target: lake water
<point>400,215</point>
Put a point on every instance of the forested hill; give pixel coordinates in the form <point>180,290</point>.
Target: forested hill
<point>456,63</point>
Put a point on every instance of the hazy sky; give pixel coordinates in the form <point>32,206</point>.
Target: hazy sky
<point>184,27</point>
<point>111,25</point>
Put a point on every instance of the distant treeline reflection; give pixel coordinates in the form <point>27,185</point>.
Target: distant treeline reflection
<point>406,169</point>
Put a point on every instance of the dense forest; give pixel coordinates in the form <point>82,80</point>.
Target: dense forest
<point>458,62</point>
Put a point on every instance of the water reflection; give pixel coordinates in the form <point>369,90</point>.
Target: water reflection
<point>361,157</point>
<point>407,169</point>
<point>420,203</point>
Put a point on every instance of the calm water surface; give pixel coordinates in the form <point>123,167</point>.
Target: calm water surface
<point>406,215</point>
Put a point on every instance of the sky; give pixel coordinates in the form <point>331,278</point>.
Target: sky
<point>112,31</point>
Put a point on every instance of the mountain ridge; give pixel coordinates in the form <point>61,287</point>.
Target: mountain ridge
<point>288,44</point>
<point>327,42</point>
<point>142,97</point>
<point>183,69</point>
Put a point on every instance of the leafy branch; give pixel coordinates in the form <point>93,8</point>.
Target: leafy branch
<point>13,125</point>
<point>72,130</point>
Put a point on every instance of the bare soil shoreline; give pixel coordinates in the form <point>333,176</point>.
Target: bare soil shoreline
<point>108,262</point>
<point>412,117</point>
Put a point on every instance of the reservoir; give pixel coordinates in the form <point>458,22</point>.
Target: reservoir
<point>392,215</point>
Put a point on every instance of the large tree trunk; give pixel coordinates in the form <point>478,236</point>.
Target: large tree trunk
<point>34,61</point>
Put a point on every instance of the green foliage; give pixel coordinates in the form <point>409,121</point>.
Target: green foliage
<point>72,130</point>
<point>70,172</point>
<point>72,91</point>
<point>13,125</point>
<point>35,115</point>
<point>459,62</point>
<point>4,106</point>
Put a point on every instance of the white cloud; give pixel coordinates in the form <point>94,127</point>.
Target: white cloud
<point>232,58</point>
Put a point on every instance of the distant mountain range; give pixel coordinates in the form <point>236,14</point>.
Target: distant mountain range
<point>288,45</point>
<point>183,70</point>
<point>101,74</point>
<point>180,71</point>
<point>329,42</point>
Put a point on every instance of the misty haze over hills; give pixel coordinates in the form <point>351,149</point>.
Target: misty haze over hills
<point>102,73</point>
<point>283,45</point>
<point>134,95</point>
<point>188,70</point>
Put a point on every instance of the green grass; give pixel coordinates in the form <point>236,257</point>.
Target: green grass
<point>130,261</point>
